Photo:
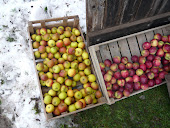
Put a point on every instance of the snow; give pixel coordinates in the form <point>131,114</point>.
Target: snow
<point>18,85</point>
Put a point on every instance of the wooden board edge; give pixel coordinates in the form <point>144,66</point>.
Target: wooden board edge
<point>167,78</point>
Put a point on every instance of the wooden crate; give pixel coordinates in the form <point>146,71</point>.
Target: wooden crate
<point>71,21</point>
<point>124,46</point>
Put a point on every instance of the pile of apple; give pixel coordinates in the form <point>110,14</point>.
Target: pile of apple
<point>65,62</point>
<point>145,71</point>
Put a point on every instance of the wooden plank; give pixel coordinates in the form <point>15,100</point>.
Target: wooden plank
<point>141,39</point>
<point>114,49</point>
<point>133,45</point>
<point>124,48</point>
<point>105,52</point>
<point>164,7</point>
<point>167,78</point>
<point>155,8</point>
<point>158,31</point>
<point>149,35</point>
<point>99,56</point>
<point>166,30</point>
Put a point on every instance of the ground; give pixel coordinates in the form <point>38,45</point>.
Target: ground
<point>20,105</point>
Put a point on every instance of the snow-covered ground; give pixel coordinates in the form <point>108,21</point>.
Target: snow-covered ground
<point>19,92</point>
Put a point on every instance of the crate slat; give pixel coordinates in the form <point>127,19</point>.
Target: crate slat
<point>158,31</point>
<point>99,56</point>
<point>114,49</point>
<point>134,48</point>
<point>124,48</point>
<point>141,39</point>
<point>149,35</point>
<point>166,30</point>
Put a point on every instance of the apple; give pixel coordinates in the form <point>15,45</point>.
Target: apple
<point>160,52</point>
<point>154,42</point>
<point>51,92</point>
<point>108,85</point>
<point>160,44</point>
<point>137,86</point>
<point>56,101</point>
<point>64,88</point>
<point>85,55</point>
<point>68,100</point>
<point>80,59</point>
<point>70,58</point>
<point>40,73</point>
<point>77,32</point>
<point>114,67</point>
<point>49,82</point>
<point>71,50</point>
<point>62,95</point>
<point>143,67</point>
<point>115,87</point>
<point>94,85</point>
<point>121,82</point>
<point>73,38</point>
<point>47,99</point>
<point>78,51</point>
<point>121,66</point>
<point>56,86</point>
<point>56,69</point>
<point>146,45</point>
<point>60,31</point>
<point>83,79</point>
<point>55,36</point>
<point>136,78</point>
<point>116,59</point>
<point>51,43</point>
<point>110,72</point>
<point>81,73</point>
<point>36,44</point>
<point>131,72</point>
<point>50,55</point>
<point>81,45</point>
<point>156,62</point>
<point>134,58</point>
<point>139,72</point>
<point>124,73</point>
<point>129,86</point>
<point>50,63</point>
<point>68,82</point>
<point>71,72</point>
<point>38,38</point>
<point>59,43</point>
<point>164,61</point>
<point>47,37</point>
<point>129,65</point>
<point>117,75</point>
<point>76,77</point>
<point>62,50</point>
<point>151,83</point>
<point>150,57</point>
<point>44,77</point>
<point>71,108</point>
<point>57,55</point>
<point>167,56</point>
<point>129,79</point>
<point>118,94</point>
<point>148,64</point>
<point>39,66</point>
<point>110,93</point>
<point>113,80</point>
<point>78,95</point>
<point>91,78</point>
<point>37,54</point>
<point>107,63</point>
<point>62,107</point>
<point>88,99</point>
<point>150,75</point>
<point>164,39</point>
<point>33,37</point>
<point>124,60</point>
<point>41,49</point>
<point>45,69</point>
<point>157,36</point>
<point>102,66</point>
<point>147,70</point>
<point>152,50</point>
<point>70,93</point>
<point>145,53</point>
<point>83,92</point>
<point>166,68</point>
<point>107,77</point>
<point>166,47</point>
<point>98,94</point>
<point>49,108</point>
<point>81,66</point>
<point>162,74</point>
<point>87,71</point>
<point>143,79</point>
<point>135,66</point>
<point>79,39</point>
<point>144,86</point>
<point>66,64</point>
<point>79,105</point>
<point>87,85</point>
<point>74,44</point>
<point>142,59</point>
<point>158,80</point>
<point>56,111</point>
<point>126,92</point>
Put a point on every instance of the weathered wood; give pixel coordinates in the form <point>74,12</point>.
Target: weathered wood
<point>114,49</point>
<point>166,31</point>
<point>133,45</point>
<point>149,35</point>
<point>99,56</point>
<point>141,39</point>
<point>105,52</point>
<point>167,78</point>
<point>158,31</point>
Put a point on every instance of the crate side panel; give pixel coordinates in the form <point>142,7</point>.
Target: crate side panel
<point>114,49</point>
<point>149,35</point>
<point>141,39</point>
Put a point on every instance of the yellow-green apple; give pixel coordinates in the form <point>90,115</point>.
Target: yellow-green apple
<point>81,45</point>
<point>74,65</point>
<point>77,32</point>
<point>87,71</point>
<point>51,92</point>
<point>56,86</point>
<point>61,60</point>
<point>74,44</point>
<point>79,39</point>
<point>42,82</point>
<point>46,94</point>
<point>55,75</point>
<point>83,92</point>
<point>98,94</point>
<point>55,36</point>
<point>88,99</point>
<point>66,41</point>
<point>61,66</point>
<point>51,43</point>
<point>49,108</point>
<point>68,82</point>
<point>60,31</point>
<point>49,75</point>
<point>53,50</point>
<point>70,93</point>
<point>87,85</point>
<point>84,102</point>
<point>48,31</point>
<point>56,111</point>
<point>48,49</point>
<point>83,79</point>
<point>85,55</point>
<point>67,33</point>
<point>81,66</point>
<point>94,85</point>
<point>47,99</point>
<point>54,30</point>
<point>38,38</point>
<point>60,80</point>
<point>47,37</point>
<point>71,72</point>
<point>62,95</point>
<point>139,72</point>
<point>46,60</point>
<point>62,107</point>
<point>57,55</point>
<point>87,62</point>
<point>56,101</point>
<point>73,38</point>
<point>88,90</point>
<point>51,70</point>
<point>65,55</point>
<point>79,105</point>
<point>91,78</point>
<point>64,88</point>
<point>37,54</point>
<point>56,69</point>
<point>68,100</point>
<point>36,44</point>
<point>74,84</point>
<point>61,27</point>
<point>40,66</point>
<point>78,51</point>
<point>94,101</point>
<point>76,77</point>
<point>80,59</point>
<point>71,108</point>
<point>33,37</point>
<point>41,73</point>
<point>78,95</point>
<point>81,73</point>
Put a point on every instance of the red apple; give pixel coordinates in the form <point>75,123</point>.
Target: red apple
<point>143,67</point>
<point>152,50</point>
<point>158,36</point>
<point>117,75</point>
<point>150,57</point>
<point>103,72</point>
<point>108,86</point>
<point>145,53</point>
<point>155,75</point>
<point>142,59</point>
<point>114,67</point>
<point>165,62</point>
<point>135,66</point>
<point>154,70</point>
<point>121,82</point>
<point>62,107</point>
<point>139,72</point>
<point>167,56</point>
<point>148,64</point>
<point>137,86</point>
<point>164,39</point>
<point>158,80</point>
<point>154,42</point>
<point>124,60</point>
<point>107,77</point>
<point>118,94</point>
<point>121,66</point>
<point>144,86</point>
<point>115,87</point>
<point>129,65</point>
<point>131,72</point>
<point>71,50</point>
<point>156,62</point>
<point>121,89</point>
<point>169,38</point>
<point>151,83</point>
<point>146,45</point>
<point>166,68</point>
<point>110,93</point>
<point>150,75</point>
<point>129,86</point>
<point>143,79</point>
<point>126,92</point>
<point>160,52</point>
<point>136,78</point>
<point>147,70</point>
<point>129,79</point>
<point>162,74</point>
<point>110,72</point>
<point>107,63</point>
<point>160,44</point>
<point>62,50</point>
<point>102,66</point>
<point>124,73</point>
<point>116,59</point>
<point>134,58</point>
<point>113,80</point>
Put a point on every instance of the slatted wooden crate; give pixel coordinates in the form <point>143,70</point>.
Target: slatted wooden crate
<point>124,46</point>
<point>71,21</point>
